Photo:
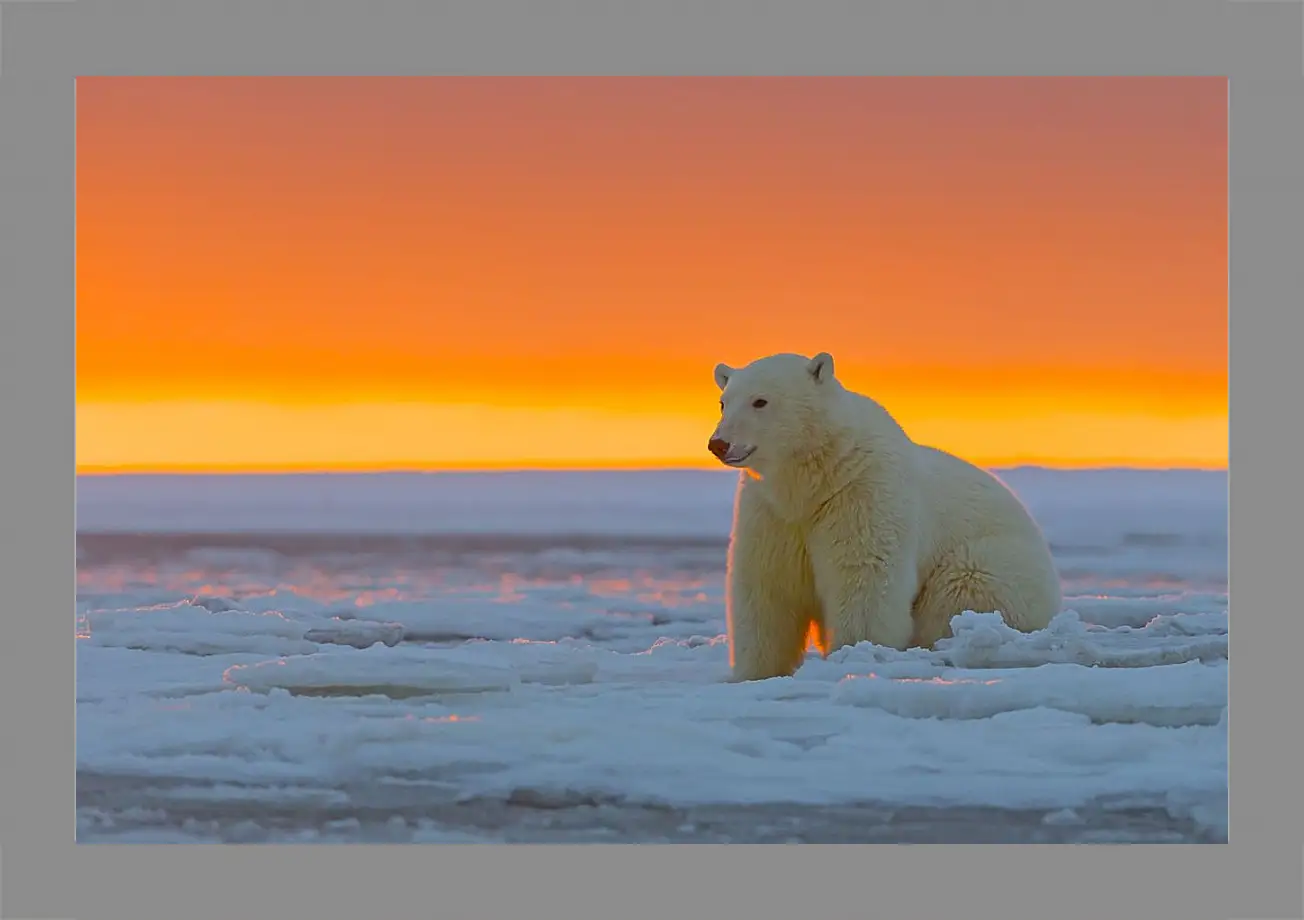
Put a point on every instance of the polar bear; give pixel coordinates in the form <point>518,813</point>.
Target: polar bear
<point>847,530</point>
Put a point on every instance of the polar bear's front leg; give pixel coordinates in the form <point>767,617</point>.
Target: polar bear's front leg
<point>865,573</point>
<point>770,596</point>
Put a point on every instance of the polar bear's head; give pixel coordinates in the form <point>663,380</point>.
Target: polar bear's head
<point>770,409</point>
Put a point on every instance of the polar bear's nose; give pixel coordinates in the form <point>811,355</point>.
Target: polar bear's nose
<point>718,446</point>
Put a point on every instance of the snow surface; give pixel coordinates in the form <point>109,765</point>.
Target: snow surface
<point>311,667</point>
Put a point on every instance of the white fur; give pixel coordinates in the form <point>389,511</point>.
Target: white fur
<point>844,524</point>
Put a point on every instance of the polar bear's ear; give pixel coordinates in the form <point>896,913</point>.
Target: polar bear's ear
<point>821,367</point>
<point>722,374</point>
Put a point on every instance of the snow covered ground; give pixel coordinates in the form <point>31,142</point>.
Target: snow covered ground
<point>539,656</point>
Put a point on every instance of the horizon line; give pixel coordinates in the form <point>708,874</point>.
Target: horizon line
<point>100,471</point>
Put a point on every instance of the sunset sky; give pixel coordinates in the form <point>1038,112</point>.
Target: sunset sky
<point>369,273</point>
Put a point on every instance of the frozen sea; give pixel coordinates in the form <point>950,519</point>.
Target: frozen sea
<point>539,657</point>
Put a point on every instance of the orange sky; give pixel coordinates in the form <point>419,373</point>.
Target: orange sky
<point>372,272</point>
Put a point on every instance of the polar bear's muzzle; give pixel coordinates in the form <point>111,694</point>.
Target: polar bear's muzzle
<point>729,454</point>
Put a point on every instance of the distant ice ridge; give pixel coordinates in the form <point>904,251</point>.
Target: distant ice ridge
<point>1079,507</point>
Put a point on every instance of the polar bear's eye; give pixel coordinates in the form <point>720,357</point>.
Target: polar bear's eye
<point>758,403</point>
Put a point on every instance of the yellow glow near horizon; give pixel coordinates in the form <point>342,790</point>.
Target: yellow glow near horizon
<point>216,436</point>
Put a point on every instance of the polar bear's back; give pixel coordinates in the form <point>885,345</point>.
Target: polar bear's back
<point>963,502</point>
<point>958,501</point>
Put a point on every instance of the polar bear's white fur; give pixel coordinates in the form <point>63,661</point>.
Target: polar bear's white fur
<point>845,528</point>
